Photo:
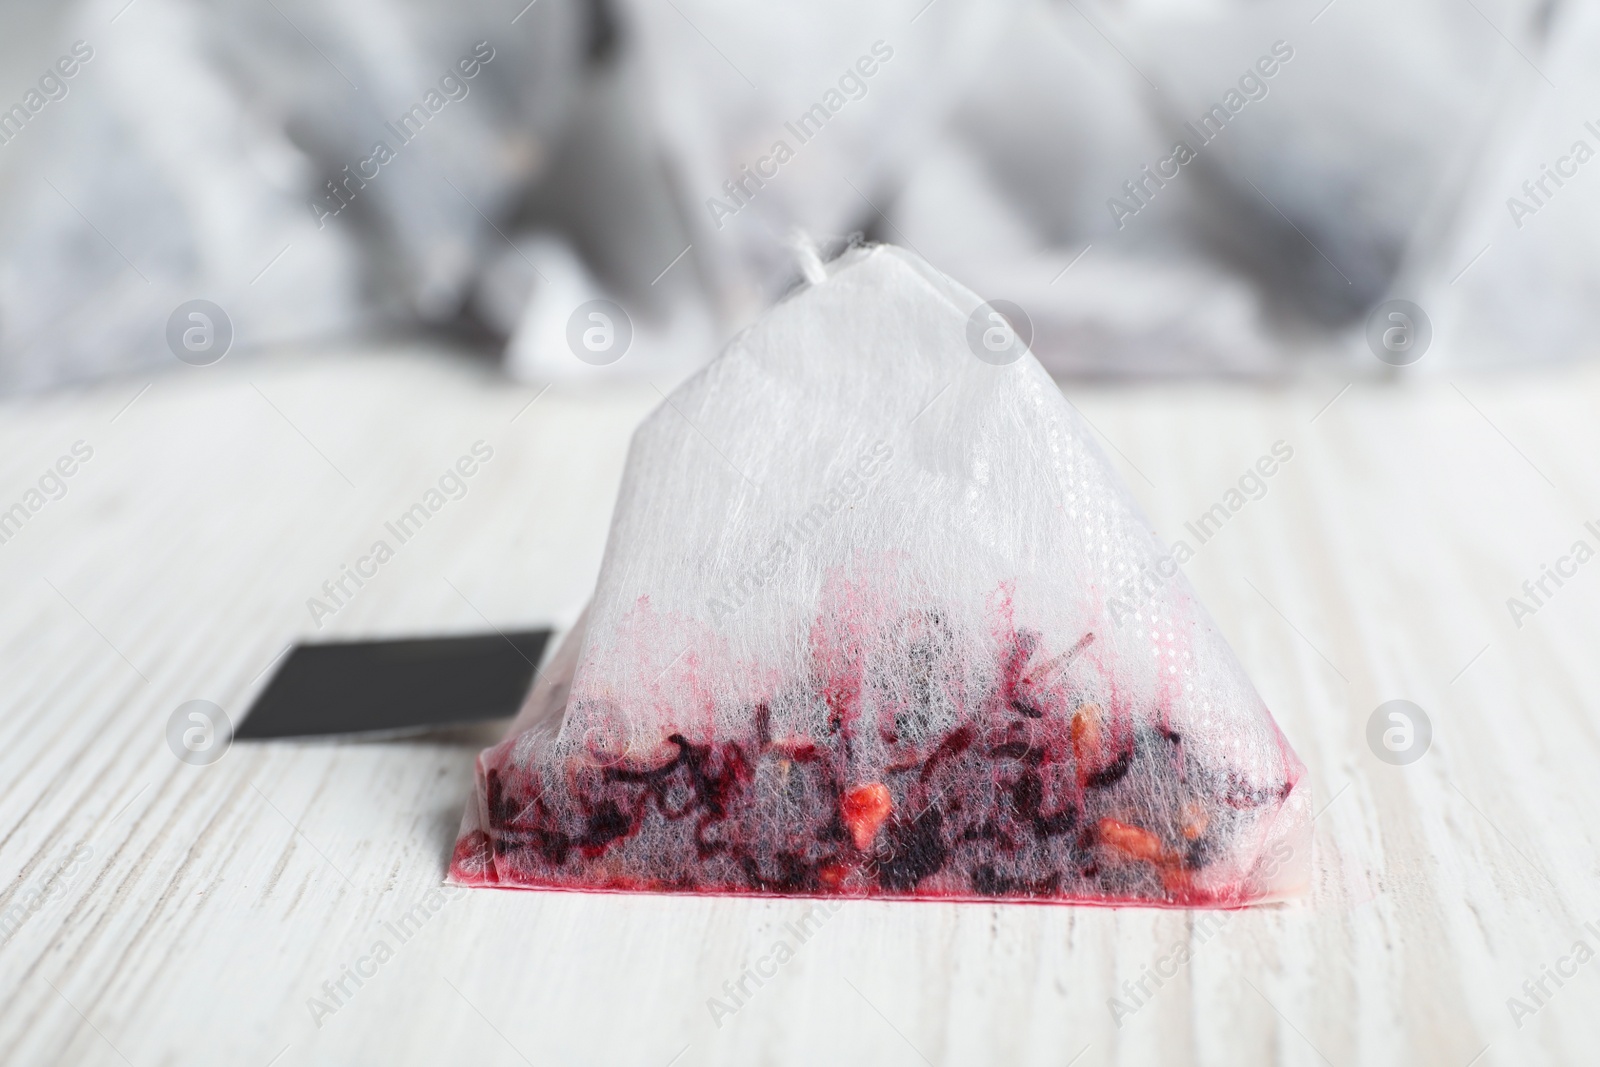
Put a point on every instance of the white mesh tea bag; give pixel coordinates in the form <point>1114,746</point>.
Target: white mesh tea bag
<point>877,618</point>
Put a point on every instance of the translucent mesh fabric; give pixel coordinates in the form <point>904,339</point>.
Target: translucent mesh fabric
<point>877,617</point>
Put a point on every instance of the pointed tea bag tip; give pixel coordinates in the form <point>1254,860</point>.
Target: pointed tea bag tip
<point>808,257</point>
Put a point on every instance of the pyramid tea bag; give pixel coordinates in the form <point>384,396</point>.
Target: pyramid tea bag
<point>877,618</point>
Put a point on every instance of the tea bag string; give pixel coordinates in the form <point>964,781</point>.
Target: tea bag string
<point>810,260</point>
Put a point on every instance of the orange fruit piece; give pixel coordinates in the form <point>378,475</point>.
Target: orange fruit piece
<point>1087,733</point>
<point>1195,820</point>
<point>864,809</point>
<point>833,875</point>
<point>1133,841</point>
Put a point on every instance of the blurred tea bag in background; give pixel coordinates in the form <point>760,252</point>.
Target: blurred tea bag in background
<point>1220,186</point>
<point>1514,275</point>
<point>231,150</point>
<point>602,224</point>
<point>775,118</point>
<point>1013,201</point>
<point>1190,187</point>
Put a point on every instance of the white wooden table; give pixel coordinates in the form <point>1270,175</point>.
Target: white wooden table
<point>181,914</point>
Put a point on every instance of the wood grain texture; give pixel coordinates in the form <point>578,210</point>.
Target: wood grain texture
<point>173,914</point>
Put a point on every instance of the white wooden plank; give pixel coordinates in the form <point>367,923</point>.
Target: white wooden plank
<point>210,904</point>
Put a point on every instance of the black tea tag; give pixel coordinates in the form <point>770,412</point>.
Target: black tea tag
<point>391,687</point>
